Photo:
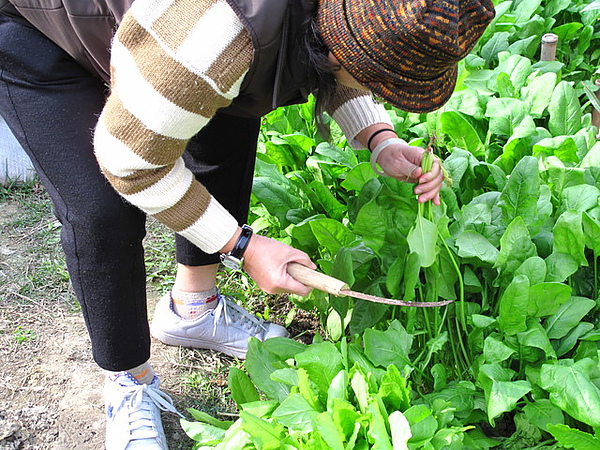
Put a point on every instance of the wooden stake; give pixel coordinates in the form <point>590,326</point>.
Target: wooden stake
<point>549,41</point>
<point>595,112</point>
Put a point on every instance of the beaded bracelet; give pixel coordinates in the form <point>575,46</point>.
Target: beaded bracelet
<point>383,144</point>
<point>376,133</point>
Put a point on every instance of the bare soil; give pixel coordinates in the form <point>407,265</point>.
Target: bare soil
<point>50,388</point>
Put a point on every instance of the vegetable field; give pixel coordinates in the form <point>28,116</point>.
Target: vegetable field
<point>514,361</point>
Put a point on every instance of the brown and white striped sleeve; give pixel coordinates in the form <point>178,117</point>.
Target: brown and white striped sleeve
<point>354,110</point>
<point>173,64</point>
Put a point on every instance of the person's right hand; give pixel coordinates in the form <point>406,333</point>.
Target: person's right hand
<point>266,260</point>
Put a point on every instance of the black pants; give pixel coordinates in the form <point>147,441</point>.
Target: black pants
<point>51,104</point>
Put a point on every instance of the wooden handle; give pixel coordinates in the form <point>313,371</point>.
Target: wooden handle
<point>316,279</point>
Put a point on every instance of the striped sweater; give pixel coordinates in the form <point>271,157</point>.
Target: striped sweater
<point>173,64</point>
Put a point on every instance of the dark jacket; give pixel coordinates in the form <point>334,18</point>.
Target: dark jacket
<point>278,75</point>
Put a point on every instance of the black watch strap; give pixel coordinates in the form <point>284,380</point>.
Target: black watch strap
<point>242,243</point>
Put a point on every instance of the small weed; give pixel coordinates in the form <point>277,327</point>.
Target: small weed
<point>23,335</point>
<point>159,248</point>
<point>11,188</point>
<point>204,384</point>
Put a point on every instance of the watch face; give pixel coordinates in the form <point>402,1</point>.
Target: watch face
<point>231,262</point>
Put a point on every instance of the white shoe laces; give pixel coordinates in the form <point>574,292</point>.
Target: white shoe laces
<point>236,315</point>
<point>142,399</point>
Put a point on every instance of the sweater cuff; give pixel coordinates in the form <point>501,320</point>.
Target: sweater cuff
<point>357,114</point>
<point>213,230</point>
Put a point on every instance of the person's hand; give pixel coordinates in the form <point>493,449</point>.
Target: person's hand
<point>403,162</point>
<point>266,260</point>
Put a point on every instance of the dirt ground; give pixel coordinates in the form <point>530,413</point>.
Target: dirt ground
<point>50,388</point>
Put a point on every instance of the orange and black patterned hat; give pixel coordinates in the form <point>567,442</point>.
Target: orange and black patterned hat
<point>405,51</point>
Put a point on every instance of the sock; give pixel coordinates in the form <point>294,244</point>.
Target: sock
<point>144,374</point>
<point>190,305</point>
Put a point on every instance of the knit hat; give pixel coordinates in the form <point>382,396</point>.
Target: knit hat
<point>405,51</point>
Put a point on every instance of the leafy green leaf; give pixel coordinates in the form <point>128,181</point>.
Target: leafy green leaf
<point>235,438</point>
<point>543,413</point>
<point>400,431</point>
<point>533,268</point>
<point>265,435</point>
<point>394,390</point>
<point>563,147</point>
<point>242,388</point>
<point>580,198</point>
<point>207,418</point>
<point>568,236</point>
<point>296,413</point>
<point>501,394</point>
<point>323,362</point>
<point>345,417</point>
<point>338,388</point>
<point>203,433</point>
<point>560,266</point>
<point>497,43</point>
<point>388,347</point>
<point>260,364</point>
<point>471,244</point>
<point>568,316</point>
<point>331,206</point>
<point>284,348</point>
<point>495,351</point>
<point>545,298</point>
<point>343,156</point>
<point>520,196</point>
<point>461,132</point>
<point>565,110</point>
<point>513,306</point>
<point>591,232</point>
<point>535,336</point>
<point>361,390</point>
<point>371,224</point>
<point>459,394</point>
<point>572,438</point>
<point>572,390</point>
<point>366,314</point>
<point>515,247</point>
<point>422,423</point>
<point>329,432</point>
<point>505,115</point>
<point>535,94</point>
<point>359,176</point>
<point>422,240</point>
<point>331,234</point>
<point>570,340</point>
<point>377,430</point>
<point>277,195</point>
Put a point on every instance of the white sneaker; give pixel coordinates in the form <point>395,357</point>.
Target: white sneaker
<point>226,328</point>
<point>133,413</point>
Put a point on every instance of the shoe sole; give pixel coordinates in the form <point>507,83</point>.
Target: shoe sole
<point>178,341</point>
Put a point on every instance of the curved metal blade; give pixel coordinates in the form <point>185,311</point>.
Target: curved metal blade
<point>389,301</point>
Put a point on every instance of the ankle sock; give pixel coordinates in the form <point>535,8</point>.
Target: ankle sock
<point>190,305</point>
<point>144,374</point>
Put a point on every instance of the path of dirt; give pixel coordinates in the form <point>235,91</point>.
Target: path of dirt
<point>50,388</point>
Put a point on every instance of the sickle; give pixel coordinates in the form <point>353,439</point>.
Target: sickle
<point>337,287</point>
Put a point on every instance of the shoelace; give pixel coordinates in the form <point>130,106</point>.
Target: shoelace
<point>142,399</point>
<point>235,314</point>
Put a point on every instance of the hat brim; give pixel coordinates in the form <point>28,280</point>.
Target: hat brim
<point>408,94</point>
<point>417,96</point>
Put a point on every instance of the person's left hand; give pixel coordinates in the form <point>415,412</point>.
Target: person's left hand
<point>403,162</point>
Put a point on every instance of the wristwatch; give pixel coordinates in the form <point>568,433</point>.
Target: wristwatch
<point>234,260</point>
